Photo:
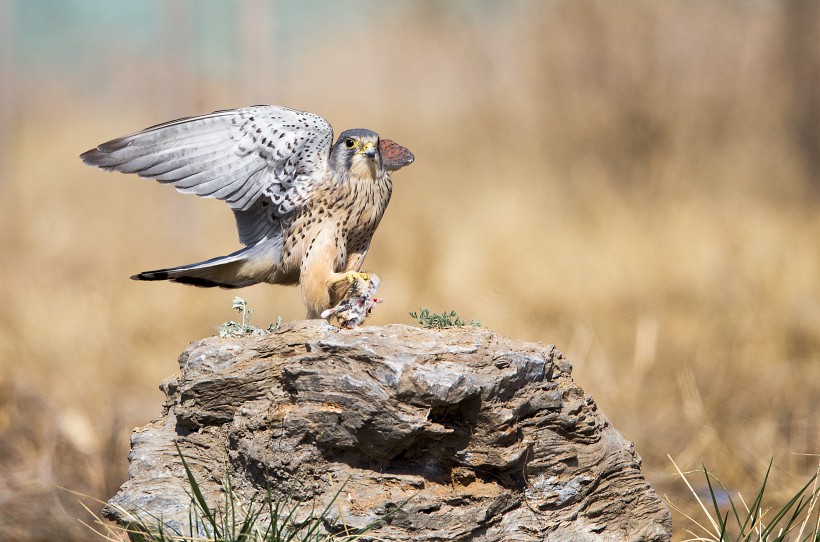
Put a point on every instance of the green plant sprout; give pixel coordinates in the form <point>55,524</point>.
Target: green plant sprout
<point>235,329</point>
<point>446,319</point>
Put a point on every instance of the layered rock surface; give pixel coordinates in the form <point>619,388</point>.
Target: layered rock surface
<point>458,434</point>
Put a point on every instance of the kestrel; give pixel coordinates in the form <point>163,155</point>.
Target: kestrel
<point>306,210</point>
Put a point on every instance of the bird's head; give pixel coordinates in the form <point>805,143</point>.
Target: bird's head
<point>360,153</point>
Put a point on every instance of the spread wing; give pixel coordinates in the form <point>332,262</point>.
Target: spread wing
<point>264,161</point>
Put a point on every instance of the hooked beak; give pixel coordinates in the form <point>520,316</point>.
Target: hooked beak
<point>369,150</point>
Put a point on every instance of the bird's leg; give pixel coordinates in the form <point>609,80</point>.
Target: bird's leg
<point>316,267</point>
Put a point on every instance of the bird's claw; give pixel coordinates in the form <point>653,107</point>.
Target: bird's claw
<point>350,276</point>
<point>353,275</point>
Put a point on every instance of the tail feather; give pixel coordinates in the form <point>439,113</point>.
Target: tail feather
<point>222,272</point>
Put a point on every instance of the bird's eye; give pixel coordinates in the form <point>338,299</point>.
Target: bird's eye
<point>350,143</point>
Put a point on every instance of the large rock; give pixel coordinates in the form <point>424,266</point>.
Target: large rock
<point>485,438</point>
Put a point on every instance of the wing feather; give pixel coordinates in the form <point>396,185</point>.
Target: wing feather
<point>238,156</point>
<point>163,162</point>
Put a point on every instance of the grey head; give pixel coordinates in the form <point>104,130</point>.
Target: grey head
<point>360,147</point>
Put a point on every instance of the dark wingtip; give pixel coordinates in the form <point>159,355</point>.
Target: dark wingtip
<point>191,281</point>
<point>100,155</point>
<point>150,275</point>
<point>91,157</point>
<point>200,282</point>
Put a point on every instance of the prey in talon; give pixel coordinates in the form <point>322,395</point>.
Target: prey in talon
<point>358,302</point>
<point>306,208</point>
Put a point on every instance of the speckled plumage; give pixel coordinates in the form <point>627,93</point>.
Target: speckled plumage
<point>306,210</point>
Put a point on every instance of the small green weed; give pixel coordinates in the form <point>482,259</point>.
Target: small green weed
<point>235,329</point>
<point>798,519</point>
<point>446,319</point>
<point>275,520</point>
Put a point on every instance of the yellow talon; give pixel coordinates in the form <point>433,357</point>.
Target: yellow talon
<point>349,276</point>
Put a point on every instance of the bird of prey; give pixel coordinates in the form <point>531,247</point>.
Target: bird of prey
<point>306,208</point>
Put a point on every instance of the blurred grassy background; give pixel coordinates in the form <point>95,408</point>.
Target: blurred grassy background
<point>636,182</point>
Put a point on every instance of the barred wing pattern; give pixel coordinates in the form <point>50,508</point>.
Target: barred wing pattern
<point>264,161</point>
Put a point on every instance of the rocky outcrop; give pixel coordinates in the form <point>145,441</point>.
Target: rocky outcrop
<point>462,433</point>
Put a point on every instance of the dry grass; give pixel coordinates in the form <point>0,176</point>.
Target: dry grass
<point>632,185</point>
